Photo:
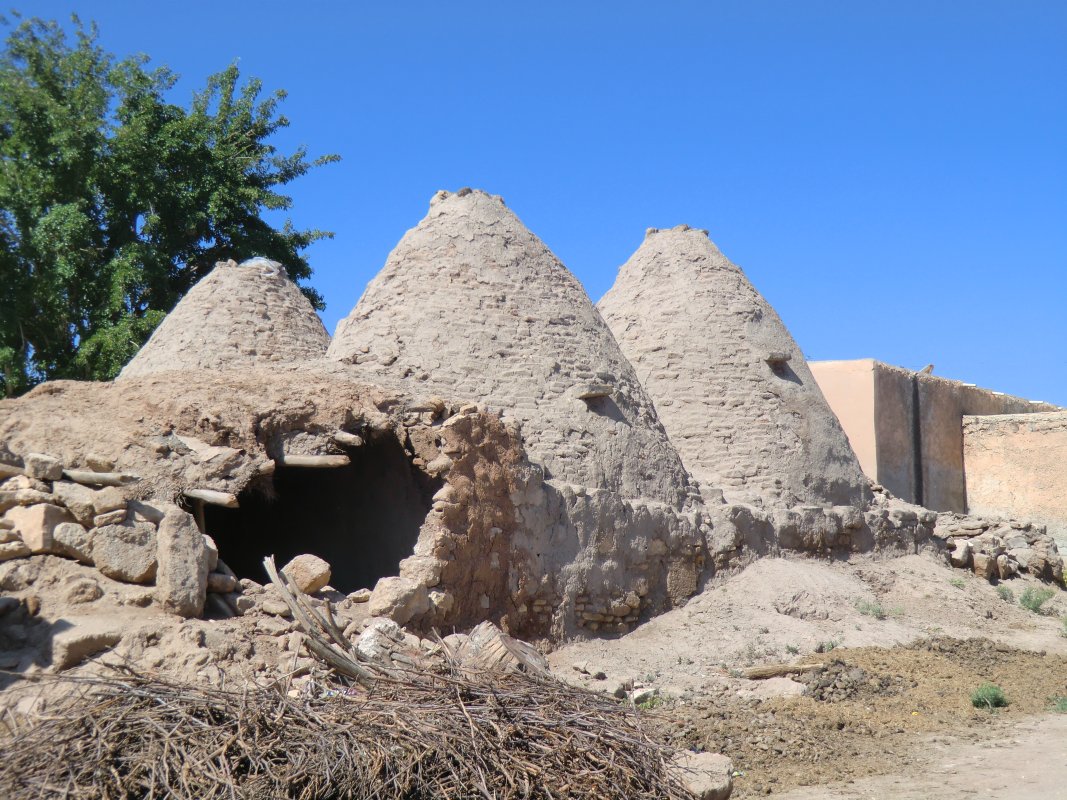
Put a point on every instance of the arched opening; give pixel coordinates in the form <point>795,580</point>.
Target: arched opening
<point>363,518</point>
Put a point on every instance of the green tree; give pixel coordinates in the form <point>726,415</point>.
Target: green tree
<point>114,201</point>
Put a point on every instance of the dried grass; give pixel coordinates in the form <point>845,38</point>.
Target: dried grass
<point>367,731</point>
<point>428,736</point>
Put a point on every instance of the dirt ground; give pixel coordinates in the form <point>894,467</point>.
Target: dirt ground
<point>906,641</point>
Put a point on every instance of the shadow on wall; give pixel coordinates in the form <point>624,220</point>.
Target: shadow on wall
<point>363,519</point>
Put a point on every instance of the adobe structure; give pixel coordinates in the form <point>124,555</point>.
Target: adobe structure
<point>474,444</point>
<point>238,315</point>
<point>729,382</point>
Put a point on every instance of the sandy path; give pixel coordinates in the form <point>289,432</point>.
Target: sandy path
<point>1029,762</point>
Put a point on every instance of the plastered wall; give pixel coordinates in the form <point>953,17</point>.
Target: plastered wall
<point>1017,464</point>
<point>907,427</point>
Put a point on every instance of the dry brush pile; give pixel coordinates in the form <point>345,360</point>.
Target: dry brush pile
<point>394,732</point>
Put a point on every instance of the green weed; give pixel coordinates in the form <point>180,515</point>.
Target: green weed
<point>988,695</point>
<point>1033,598</point>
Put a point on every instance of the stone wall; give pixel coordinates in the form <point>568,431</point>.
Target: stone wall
<point>1017,465</point>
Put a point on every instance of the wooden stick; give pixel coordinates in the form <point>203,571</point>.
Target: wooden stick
<point>89,478</point>
<point>224,499</point>
<point>320,462</point>
<point>346,439</point>
<point>776,670</point>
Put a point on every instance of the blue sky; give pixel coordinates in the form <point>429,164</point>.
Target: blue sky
<point>892,176</point>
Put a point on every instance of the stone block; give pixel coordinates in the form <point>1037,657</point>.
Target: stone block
<point>110,518</point>
<point>221,583</point>
<point>310,573</point>
<point>181,578</point>
<point>212,553</point>
<point>76,639</point>
<point>108,499</point>
<point>709,776</point>
<point>43,467</point>
<point>398,598</point>
<point>126,551</point>
<point>71,539</point>
<point>961,555</point>
<point>36,525</point>
<point>78,499</point>
<point>140,511</point>
<point>984,565</point>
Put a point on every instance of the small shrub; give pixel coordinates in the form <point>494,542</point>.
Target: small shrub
<point>988,695</point>
<point>792,649</point>
<point>1006,594</point>
<point>1059,704</point>
<point>869,609</point>
<point>1033,598</point>
<point>826,647</point>
<point>957,582</point>
<point>1063,632</point>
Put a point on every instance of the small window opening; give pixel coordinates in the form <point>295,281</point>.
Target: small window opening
<point>363,518</point>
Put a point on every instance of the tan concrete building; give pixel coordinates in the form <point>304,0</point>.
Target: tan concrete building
<point>907,429</point>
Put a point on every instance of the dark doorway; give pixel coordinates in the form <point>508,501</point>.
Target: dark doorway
<point>363,518</point>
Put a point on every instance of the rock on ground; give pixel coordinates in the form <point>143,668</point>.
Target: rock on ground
<point>126,551</point>
<point>181,580</point>
<point>708,775</point>
<point>309,573</point>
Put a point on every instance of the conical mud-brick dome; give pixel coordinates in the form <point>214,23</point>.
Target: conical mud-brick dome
<point>238,316</point>
<point>731,386</point>
<point>471,305</point>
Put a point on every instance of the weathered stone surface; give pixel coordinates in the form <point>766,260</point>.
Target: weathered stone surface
<point>126,551</point>
<point>239,315</point>
<point>961,554</point>
<point>212,553</point>
<point>78,500</point>
<point>36,525</point>
<point>181,579</point>
<point>398,598</point>
<point>74,540</point>
<point>380,639</point>
<point>23,497</point>
<point>77,638</point>
<point>110,518</point>
<point>108,499</point>
<point>309,572</point>
<point>220,583</point>
<point>984,565</point>
<point>43,467</point>
<point>84,590</point>
<point>16,549</point>
<point>709,776</point>
<point>699,336</point>
<point>142,511</point>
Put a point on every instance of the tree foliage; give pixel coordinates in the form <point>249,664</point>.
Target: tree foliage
<point>115,201</point>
